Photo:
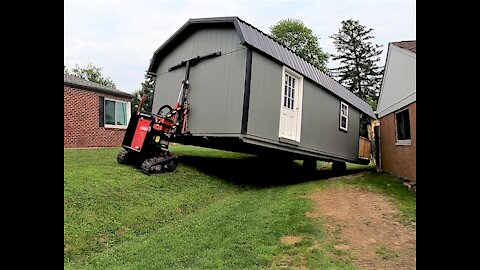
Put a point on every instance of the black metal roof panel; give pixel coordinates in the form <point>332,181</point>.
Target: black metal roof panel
<point>250,35</point>
<point>88,85</point>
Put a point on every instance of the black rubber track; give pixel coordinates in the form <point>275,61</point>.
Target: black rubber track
<point>169,164</point>
<point>122,156</point>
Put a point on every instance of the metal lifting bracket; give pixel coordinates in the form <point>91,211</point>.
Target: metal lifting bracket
<point>193,61</point>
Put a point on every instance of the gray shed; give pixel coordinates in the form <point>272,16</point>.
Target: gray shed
<point>257,96</point>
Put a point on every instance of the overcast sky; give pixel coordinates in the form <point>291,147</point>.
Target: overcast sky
<point>121,35</point>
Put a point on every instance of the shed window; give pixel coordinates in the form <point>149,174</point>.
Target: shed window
<point>116,113</point>
<point>343,116</point>
<point>289,92</point>
<point>402,120</point>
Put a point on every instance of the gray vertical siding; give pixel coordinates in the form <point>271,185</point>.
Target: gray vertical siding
<point>320,113</point>
<point>320,123</point>
<point>217,84</point>
<point>252,36</point>
<point>265,86</point>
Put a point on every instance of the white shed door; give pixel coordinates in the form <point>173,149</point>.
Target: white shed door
<point>290,112</point>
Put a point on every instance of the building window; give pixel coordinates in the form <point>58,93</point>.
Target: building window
<point>402,119</point>
<point>116,113</point>
<point>343,116</point>
<point>289,91</point>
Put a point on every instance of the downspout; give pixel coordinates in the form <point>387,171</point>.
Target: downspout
<point>378,150</point>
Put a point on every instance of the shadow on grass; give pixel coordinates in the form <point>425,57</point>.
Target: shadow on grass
<point>260,172</point>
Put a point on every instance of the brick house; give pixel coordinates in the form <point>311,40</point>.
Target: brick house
<point>397,111</point>
<point>93,115</point>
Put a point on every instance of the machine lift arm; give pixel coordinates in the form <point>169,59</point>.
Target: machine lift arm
<point>180,112</point>
<point>147,136</point>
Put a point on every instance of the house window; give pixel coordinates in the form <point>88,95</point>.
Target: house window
<point>402,119</point>
<point>116,113</point>
<point>343,116</point>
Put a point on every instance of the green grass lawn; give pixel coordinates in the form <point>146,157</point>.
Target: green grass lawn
<point>221,210</point>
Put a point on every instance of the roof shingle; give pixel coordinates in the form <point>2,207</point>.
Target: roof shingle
<point>410,45</point>
<point>84,84</point>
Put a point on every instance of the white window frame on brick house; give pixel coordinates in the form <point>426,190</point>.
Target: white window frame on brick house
<point>127,104</point>
<point>343,113</point>
<point>404,141</point>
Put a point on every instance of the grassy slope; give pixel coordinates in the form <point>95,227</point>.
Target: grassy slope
<point>221,210</point>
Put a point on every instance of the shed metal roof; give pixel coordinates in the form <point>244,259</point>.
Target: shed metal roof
<point>84,84</point>
<point>256,39</point>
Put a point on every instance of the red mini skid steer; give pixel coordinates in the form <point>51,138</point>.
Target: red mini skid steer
<point>147,136</point>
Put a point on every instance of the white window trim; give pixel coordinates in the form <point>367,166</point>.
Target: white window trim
<point>346,116</point>
<point>397,141</point>
<point>403,142</point>
<point>299,102</point>
<point>128,113</point>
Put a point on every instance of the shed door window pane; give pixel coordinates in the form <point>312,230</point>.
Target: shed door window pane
<point>109,112</point>
<point>343,116</point>
<point>403,125</point>
<point>121,113</point>
<point>289,93</point>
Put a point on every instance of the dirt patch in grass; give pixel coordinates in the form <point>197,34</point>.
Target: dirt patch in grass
<point>291,240</point>
<point>347,177</point>
<point>342,247</point>
<point>296,262</point>
<point>370,225</point>
<point>103,239</point>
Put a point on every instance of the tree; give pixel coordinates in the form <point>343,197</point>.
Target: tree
<point>147,90</point>
<point>358,69</point>
<point>65,70</point>
<point>295,35</point>
<point>91,73</point>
